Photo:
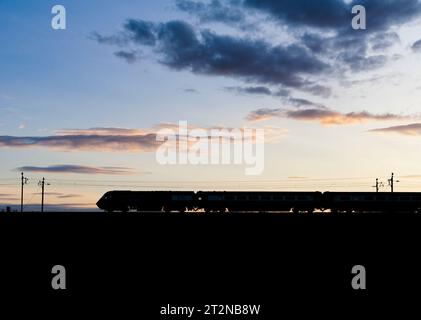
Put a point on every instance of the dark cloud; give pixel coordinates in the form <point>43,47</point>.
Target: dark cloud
<point>413,129</point>
<point>322,115</point>
<point>314,42</point>
<point>66,168</point>
<point>331,48</point>
<point>336,14</point>
<point>297,102</point>
<point>259,90</point>
<point>253,60</point>
<point>361,62</point>
<point>382,41</point>
<point>383,14</point>
<point>283,94</point>
<point>213,11</point>
<point>129,56</point>
<point>85,142</point>
<point>416,47</point>
<point>322,14</point>
<point>141,32</point>
<point>117,40</point>
<point>350,52</point>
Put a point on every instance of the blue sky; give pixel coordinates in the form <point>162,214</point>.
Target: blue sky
<point>344,102</point>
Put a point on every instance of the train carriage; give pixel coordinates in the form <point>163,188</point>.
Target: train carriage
<point>259,201</point>
<point>372,202</point>
<point>147,201</point>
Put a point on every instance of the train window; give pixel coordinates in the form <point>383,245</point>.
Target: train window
<point>404,198</point>
<point>381,198</point>
<point>254,198</point>
<point>215,198</point>
<point>302,198</point>
<point>242,198</point>
<point>290,198</point>
<point>230,198</point>
<point>266,198</point>
<point>345,198</point>
<point>278,198</point>
<point>416,198</point>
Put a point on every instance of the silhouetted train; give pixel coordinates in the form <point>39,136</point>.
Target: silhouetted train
<point>218,201</point>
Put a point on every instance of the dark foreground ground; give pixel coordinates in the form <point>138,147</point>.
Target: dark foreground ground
<point>121,264</point>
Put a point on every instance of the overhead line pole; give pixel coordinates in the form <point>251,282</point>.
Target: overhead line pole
<point>42,184</point>
<point>23,182</point>
<point>42,196</point>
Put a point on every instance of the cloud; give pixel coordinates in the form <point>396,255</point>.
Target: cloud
<point>66,168</point>
<point>179,47</point>
<point>129,56</point>
<point>68,196</point>
<point>322,115</point>
<point>213,11</point>
<point>103,131</point>
<point>94,139</point>
<point>263,114</point>
<point>336,14</point>
<point>283,94</point>
<point>297,102</point>
<point>384,40</point>
<point>413,129</point>
<point>60,195</point>
<point>416,47</point>
<point>106,139</point>
<point>322,43</point>
<point>321,14</point>
<point>8,197</point>
<point>118,40</point>
<point>350,51</point>
<point>259,90</point>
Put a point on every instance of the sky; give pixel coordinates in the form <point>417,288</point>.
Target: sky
<point>82,106</point>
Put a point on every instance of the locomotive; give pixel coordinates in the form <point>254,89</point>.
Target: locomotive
<point>258,201</point>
